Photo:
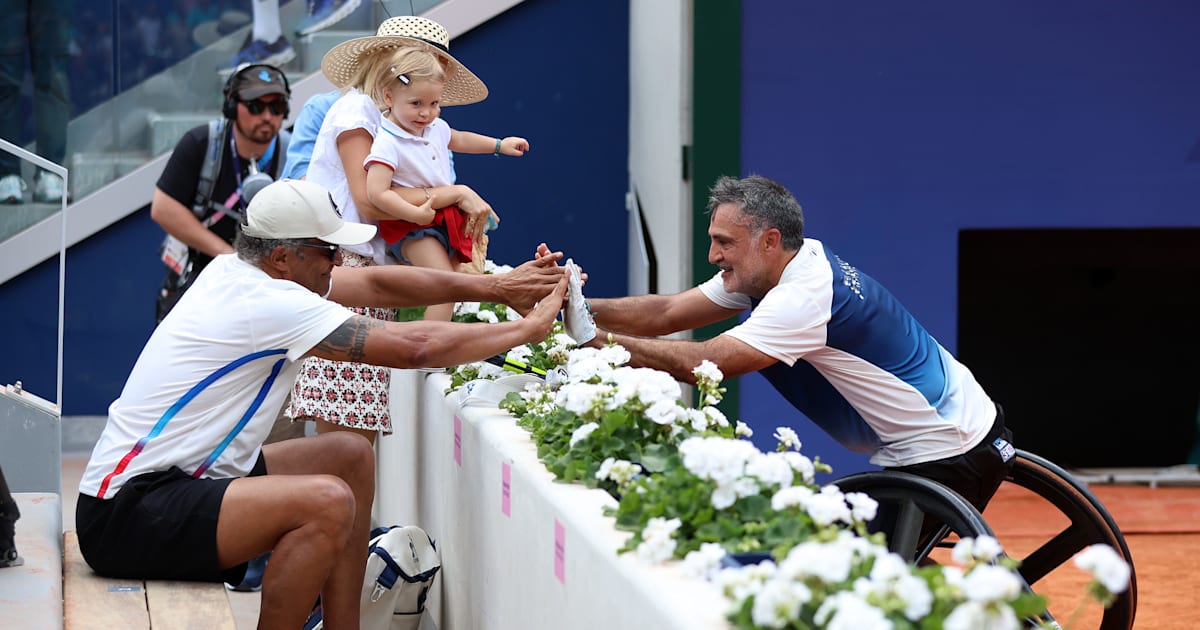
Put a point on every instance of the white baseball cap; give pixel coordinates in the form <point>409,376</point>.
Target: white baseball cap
<point>293,208</point>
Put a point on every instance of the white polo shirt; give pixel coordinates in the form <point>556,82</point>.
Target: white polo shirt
<point>857,363</point>
<point>206,390</point>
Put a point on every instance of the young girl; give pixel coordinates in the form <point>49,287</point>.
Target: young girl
<point>411,149</point>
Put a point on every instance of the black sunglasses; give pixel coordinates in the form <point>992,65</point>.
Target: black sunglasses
<point>256,107</point>
<point>330,250</point>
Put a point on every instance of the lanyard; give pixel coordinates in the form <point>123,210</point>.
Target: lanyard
<point>237,164</point>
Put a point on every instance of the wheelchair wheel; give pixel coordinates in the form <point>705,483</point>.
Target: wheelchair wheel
<point>908,502</point>
<point>1089,524</point>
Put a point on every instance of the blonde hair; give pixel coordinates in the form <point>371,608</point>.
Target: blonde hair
<point>411,61</point>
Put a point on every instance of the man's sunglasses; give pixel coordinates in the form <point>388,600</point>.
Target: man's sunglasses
<point>330,250</point>
<point>256,107</point>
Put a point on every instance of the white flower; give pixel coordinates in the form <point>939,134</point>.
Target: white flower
<point>742,582</point>
<point>582,432</point>
<point>977,616</point>
<point>787,438</point>
<point>891,575</point>
<point>665,411</point>
<point>618,471</point>
<point>715,417</point>
<point>802,465</point>
<point>779,602</point>
<point>791,496</point>
<point>724,496</point>
<point>695,419</point>
<point>827,507</point>
<point>614,355</point>
<point>829,562</point>
<point>583,365</point>
<point>708,370</point>
<point>582,398</point>
<point>1106,566</point>
<point>845,610</point>
<point>970,551</point>
<point>770,469</point>
<point>862,507</point>
<point>510,314</point>
<point>703,563</point>
<point>489,266</point>
<point>487,316</point>
<point>657,545</point>
<point>990,583</point>
<point>743,430</point>
<point>467,308</point>
<point>521,353</point>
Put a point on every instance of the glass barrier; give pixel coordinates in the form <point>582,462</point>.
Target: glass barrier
<point>26,162</point>
<point>103,87</point>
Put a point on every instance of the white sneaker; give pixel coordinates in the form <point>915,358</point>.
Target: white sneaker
<point>47,188</point>
<point>12,189</point>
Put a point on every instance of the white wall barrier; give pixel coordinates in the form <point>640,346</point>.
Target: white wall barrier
<point>519,551</point>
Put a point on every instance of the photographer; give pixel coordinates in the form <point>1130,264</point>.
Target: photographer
<point>203,190</point>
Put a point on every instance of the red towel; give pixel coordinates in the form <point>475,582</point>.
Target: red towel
<point>393,230</point>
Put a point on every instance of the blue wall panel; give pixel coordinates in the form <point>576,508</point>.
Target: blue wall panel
<point>897,124</point>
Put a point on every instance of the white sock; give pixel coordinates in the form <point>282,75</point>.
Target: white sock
<point>266,21</point>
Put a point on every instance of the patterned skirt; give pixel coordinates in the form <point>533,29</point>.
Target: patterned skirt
<point>347,394</point>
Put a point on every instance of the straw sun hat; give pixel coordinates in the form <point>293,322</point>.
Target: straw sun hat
<point>462,86</point>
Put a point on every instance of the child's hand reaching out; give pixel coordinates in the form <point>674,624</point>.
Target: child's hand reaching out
<point>514,146</point>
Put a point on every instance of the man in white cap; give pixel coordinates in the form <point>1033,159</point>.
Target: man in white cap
<point>180,486</point>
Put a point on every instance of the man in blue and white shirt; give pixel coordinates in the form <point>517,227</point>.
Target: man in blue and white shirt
<point>833,341</point>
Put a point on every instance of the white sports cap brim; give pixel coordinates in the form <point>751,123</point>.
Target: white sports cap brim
<point>294,209</point>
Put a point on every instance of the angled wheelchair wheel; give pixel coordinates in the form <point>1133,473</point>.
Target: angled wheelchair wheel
<point>1089,524</point>
<point>909,505</point>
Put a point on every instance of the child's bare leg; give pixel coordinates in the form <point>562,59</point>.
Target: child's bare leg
<point>429,252</point>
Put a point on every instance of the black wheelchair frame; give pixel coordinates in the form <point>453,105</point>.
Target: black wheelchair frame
<point>913,501</point>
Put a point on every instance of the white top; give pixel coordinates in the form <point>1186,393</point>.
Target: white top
<point>416,161</point>
<point>854,361</point>
<point>191,399</point>
<point>354,110</point>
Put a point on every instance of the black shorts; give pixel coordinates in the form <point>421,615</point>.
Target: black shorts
<point>978,473</point>
<point>159,526</point>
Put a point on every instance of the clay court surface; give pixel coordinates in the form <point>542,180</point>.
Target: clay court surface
<point>1161,527</point>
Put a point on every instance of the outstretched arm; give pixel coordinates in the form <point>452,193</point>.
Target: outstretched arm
<point>471,142</point>
<point>655,315</point>
<point>403,286</point>
<point>437,344</point>
<point>733,356</point>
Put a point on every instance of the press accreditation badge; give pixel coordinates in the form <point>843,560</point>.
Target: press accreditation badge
<point>174,254</point>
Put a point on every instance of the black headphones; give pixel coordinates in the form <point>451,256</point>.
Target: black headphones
<point>229,105</point>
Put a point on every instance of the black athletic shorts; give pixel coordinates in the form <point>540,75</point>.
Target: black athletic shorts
<point>159,526</point>
<point>978,473</point>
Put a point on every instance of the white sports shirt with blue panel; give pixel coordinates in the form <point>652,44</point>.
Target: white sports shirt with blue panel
<point>857,363</point>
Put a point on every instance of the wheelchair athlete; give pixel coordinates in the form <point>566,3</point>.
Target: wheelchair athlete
<point>827,336</point>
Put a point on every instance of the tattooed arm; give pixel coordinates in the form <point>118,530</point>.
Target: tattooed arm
<point>436,344</point>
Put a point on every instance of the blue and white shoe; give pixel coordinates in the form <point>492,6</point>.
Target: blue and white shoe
<point>252,581</point>
<point>12,189</point>
<point>47,188</point>
<point>325,13</point>
<point>257,51</point>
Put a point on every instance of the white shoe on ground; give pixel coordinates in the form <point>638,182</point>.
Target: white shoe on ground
<point>12,189</point>
<point>47,188</point>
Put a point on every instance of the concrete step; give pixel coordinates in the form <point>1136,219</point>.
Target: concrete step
<point>31,594</point>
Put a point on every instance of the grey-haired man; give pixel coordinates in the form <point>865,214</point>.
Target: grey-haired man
<point>180,485</point>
